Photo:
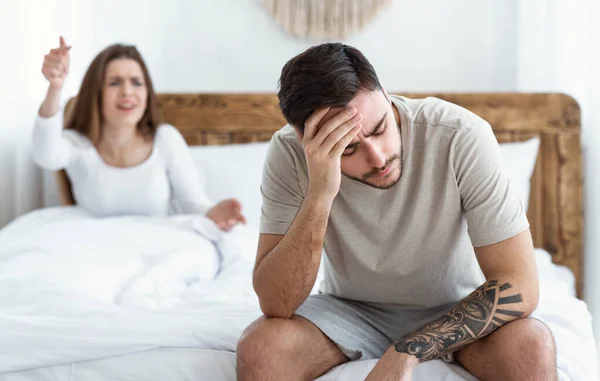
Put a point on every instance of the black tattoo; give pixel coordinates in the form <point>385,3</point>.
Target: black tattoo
<point>511,299</point>
<point>510,313</point>
<point>476,316</point>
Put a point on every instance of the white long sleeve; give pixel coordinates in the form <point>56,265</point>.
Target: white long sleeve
<point>187,190</point>
<point>53,147</point>
<point>165,183</point>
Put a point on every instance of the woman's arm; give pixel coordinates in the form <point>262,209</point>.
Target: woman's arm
<point>50,149</point>
<point>188,193</point>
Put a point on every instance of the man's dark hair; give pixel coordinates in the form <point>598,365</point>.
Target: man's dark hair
<point>326,75</point>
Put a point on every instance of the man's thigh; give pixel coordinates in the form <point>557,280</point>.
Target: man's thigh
<point>363,330</point>
<point>349,324</point>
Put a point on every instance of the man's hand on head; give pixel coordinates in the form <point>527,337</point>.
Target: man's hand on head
<point>326,135</point>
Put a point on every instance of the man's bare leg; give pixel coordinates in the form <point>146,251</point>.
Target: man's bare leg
<point>285,349</point>
<point>522,350</point>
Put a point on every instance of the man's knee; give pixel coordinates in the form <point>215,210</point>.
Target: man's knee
<point>522,349</point>
<point>535,343</point>
<point>528,347</point>
<point>262,341</point>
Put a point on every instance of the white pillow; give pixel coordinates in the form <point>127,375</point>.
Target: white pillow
<point>520,158</point>
<point>233,170</point>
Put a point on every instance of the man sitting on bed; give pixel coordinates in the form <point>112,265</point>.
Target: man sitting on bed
<point>428,249</point>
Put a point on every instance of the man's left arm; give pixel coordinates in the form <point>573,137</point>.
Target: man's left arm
<point>499,232</point>
<point>509,293</point>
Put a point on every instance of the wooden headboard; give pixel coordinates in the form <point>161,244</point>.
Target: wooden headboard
<point>556,203</point>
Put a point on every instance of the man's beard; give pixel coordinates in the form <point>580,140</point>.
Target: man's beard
<point>395,160</point>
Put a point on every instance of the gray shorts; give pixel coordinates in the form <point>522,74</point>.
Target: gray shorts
<point>365,330</point>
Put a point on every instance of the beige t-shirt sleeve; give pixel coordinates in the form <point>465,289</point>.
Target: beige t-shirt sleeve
<point>491,206</point>
<point>281,192</point>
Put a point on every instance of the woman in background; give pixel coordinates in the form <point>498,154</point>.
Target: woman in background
<point>119,160</point>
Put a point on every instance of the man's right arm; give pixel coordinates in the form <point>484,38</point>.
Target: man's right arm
<point>287,265</point>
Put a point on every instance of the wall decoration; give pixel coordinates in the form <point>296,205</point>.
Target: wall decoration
<point>320,20</point>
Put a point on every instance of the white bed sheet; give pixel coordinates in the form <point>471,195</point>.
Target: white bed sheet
<point>159,364</point>
<point>200,365</point>
<point>203,364</point>
<point>162,316</point>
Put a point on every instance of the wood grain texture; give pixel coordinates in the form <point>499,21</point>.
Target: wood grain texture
<point>556,203</point>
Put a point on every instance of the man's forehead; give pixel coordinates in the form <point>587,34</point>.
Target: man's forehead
<point>366,103</point>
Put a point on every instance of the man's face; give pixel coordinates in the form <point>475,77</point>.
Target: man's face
<point>373,157</point>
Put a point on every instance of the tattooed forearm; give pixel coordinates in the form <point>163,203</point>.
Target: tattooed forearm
<point>479,314</point>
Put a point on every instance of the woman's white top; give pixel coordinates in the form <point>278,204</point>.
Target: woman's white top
<point>164,183</point>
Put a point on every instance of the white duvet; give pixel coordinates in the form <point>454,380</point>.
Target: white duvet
<point>74,288</point>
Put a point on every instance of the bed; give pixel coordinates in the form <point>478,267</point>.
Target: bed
<point>179,315</point>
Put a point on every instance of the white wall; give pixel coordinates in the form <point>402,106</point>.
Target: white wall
<point>233,45</point>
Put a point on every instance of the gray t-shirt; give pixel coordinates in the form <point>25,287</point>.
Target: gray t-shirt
<point>413,243</point>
